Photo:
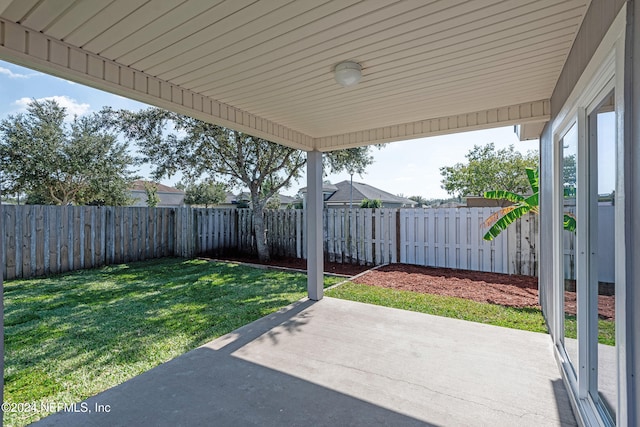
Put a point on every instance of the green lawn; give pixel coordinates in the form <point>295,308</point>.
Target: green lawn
<point>69,337</point>
<point>528,319</point>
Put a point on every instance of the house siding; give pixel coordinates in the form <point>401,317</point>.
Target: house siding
<point>597,21</point>
<point>167,200</point>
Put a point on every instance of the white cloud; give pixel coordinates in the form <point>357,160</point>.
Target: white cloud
<point>73,107</point>
<point>7,72</point>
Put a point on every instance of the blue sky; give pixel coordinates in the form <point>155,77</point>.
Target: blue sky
<point>409,167</point>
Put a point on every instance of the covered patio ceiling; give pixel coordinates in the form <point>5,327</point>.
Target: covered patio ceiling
<point>266,67</point>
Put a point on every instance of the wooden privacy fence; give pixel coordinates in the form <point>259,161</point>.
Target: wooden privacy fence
<point>43,240</point>
<point>362,236</point>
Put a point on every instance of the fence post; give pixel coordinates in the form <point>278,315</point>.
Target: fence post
<point>398,236</point>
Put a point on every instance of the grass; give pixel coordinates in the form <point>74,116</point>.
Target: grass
<point>606,329</point>
<point>528,319</point>
<point>69,337</point>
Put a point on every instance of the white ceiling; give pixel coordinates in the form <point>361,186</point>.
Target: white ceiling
<point>272,60</point>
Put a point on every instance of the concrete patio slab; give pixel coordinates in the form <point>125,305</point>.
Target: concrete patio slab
<point>342,363</point>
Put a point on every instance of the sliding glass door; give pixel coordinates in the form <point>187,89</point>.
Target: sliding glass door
<point>601,142</point>
<point>588,247</point>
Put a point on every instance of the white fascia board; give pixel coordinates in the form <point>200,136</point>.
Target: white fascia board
<point>528,112</point>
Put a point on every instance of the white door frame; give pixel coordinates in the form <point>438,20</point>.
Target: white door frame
<point>603,74</point>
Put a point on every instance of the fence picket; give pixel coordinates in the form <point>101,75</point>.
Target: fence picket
<point>40,240</point>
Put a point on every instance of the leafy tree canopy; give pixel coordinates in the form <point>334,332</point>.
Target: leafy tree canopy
<point>175,143</point>
<point>151,190</point>
<point>488,168</point>
<point>54,162</point>
<point>352,160</point>
<point>421,201</point>
<point>205,193</point>
<point>375,203</point>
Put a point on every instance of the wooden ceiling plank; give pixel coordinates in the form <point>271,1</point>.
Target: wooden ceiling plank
<point>554,40</point>
<point>322,35</point>
<point>230,17</point>
<point>124,28</point>
<point>268,26</point>
<point>164,24</point>
<point>16,10</point>
<point>75,17</point>
<point>180,30</point>
<point>327,87</point>
<point>326,23</point>
<point>451,90</point>
<point>360,122</point>
<point>98,24</point>
<point>462,95</point>
<point>243,77</point>
<point>380,84</point>
<point>46,12</point>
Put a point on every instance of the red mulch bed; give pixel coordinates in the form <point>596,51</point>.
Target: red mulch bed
<point>301,264</point>
<point>494,288</point>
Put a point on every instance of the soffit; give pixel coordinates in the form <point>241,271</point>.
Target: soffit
<point>272,61</point>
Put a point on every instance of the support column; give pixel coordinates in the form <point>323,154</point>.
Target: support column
<point>628,301</point>
<point>315,261</point>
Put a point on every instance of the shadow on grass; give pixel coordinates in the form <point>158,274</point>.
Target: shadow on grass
<point>112,323</point>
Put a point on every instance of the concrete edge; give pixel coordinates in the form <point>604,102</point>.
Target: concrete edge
<point>270,267</point>
<point>355,277</point>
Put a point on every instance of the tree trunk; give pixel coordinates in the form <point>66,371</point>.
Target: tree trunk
<point>260,232</point>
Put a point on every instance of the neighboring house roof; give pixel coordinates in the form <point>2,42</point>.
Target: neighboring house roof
<point>327,187</point>
<point>169,196</point>
<point>229,199</point>
<point>452,205</point>
<point>245,197</point>
<point>363,191</point>
<point>285,200</point>
<point>139,186</point>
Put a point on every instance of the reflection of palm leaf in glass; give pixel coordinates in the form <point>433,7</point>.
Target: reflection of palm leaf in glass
<point>522,205</point>
<point>569,222</point>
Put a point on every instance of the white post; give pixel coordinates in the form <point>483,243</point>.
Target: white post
<point>315,262</point>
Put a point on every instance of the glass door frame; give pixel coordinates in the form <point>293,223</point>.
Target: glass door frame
<point>604,75</point>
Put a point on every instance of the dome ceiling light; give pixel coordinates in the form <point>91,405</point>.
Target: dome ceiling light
<point>348,73</point>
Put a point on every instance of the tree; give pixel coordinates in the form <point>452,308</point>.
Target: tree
<point>151,189</point>
<point>54,162</point>
<point>205,193</point>
<point>421,201</point>
<point>375,203</point>
<point>522,205</point>
<point>489,168</point>
<point>199,149</point>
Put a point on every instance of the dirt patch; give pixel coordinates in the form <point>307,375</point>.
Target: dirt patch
<point>494,288</point>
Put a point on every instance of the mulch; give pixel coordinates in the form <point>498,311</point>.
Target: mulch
<point>494,288</point>
<point>300,264</point>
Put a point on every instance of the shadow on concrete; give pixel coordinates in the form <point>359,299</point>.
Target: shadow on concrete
<point>563,404</point>
<point>211,386</point>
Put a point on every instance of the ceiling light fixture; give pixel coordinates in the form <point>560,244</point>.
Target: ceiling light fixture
<point>348,73</point>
